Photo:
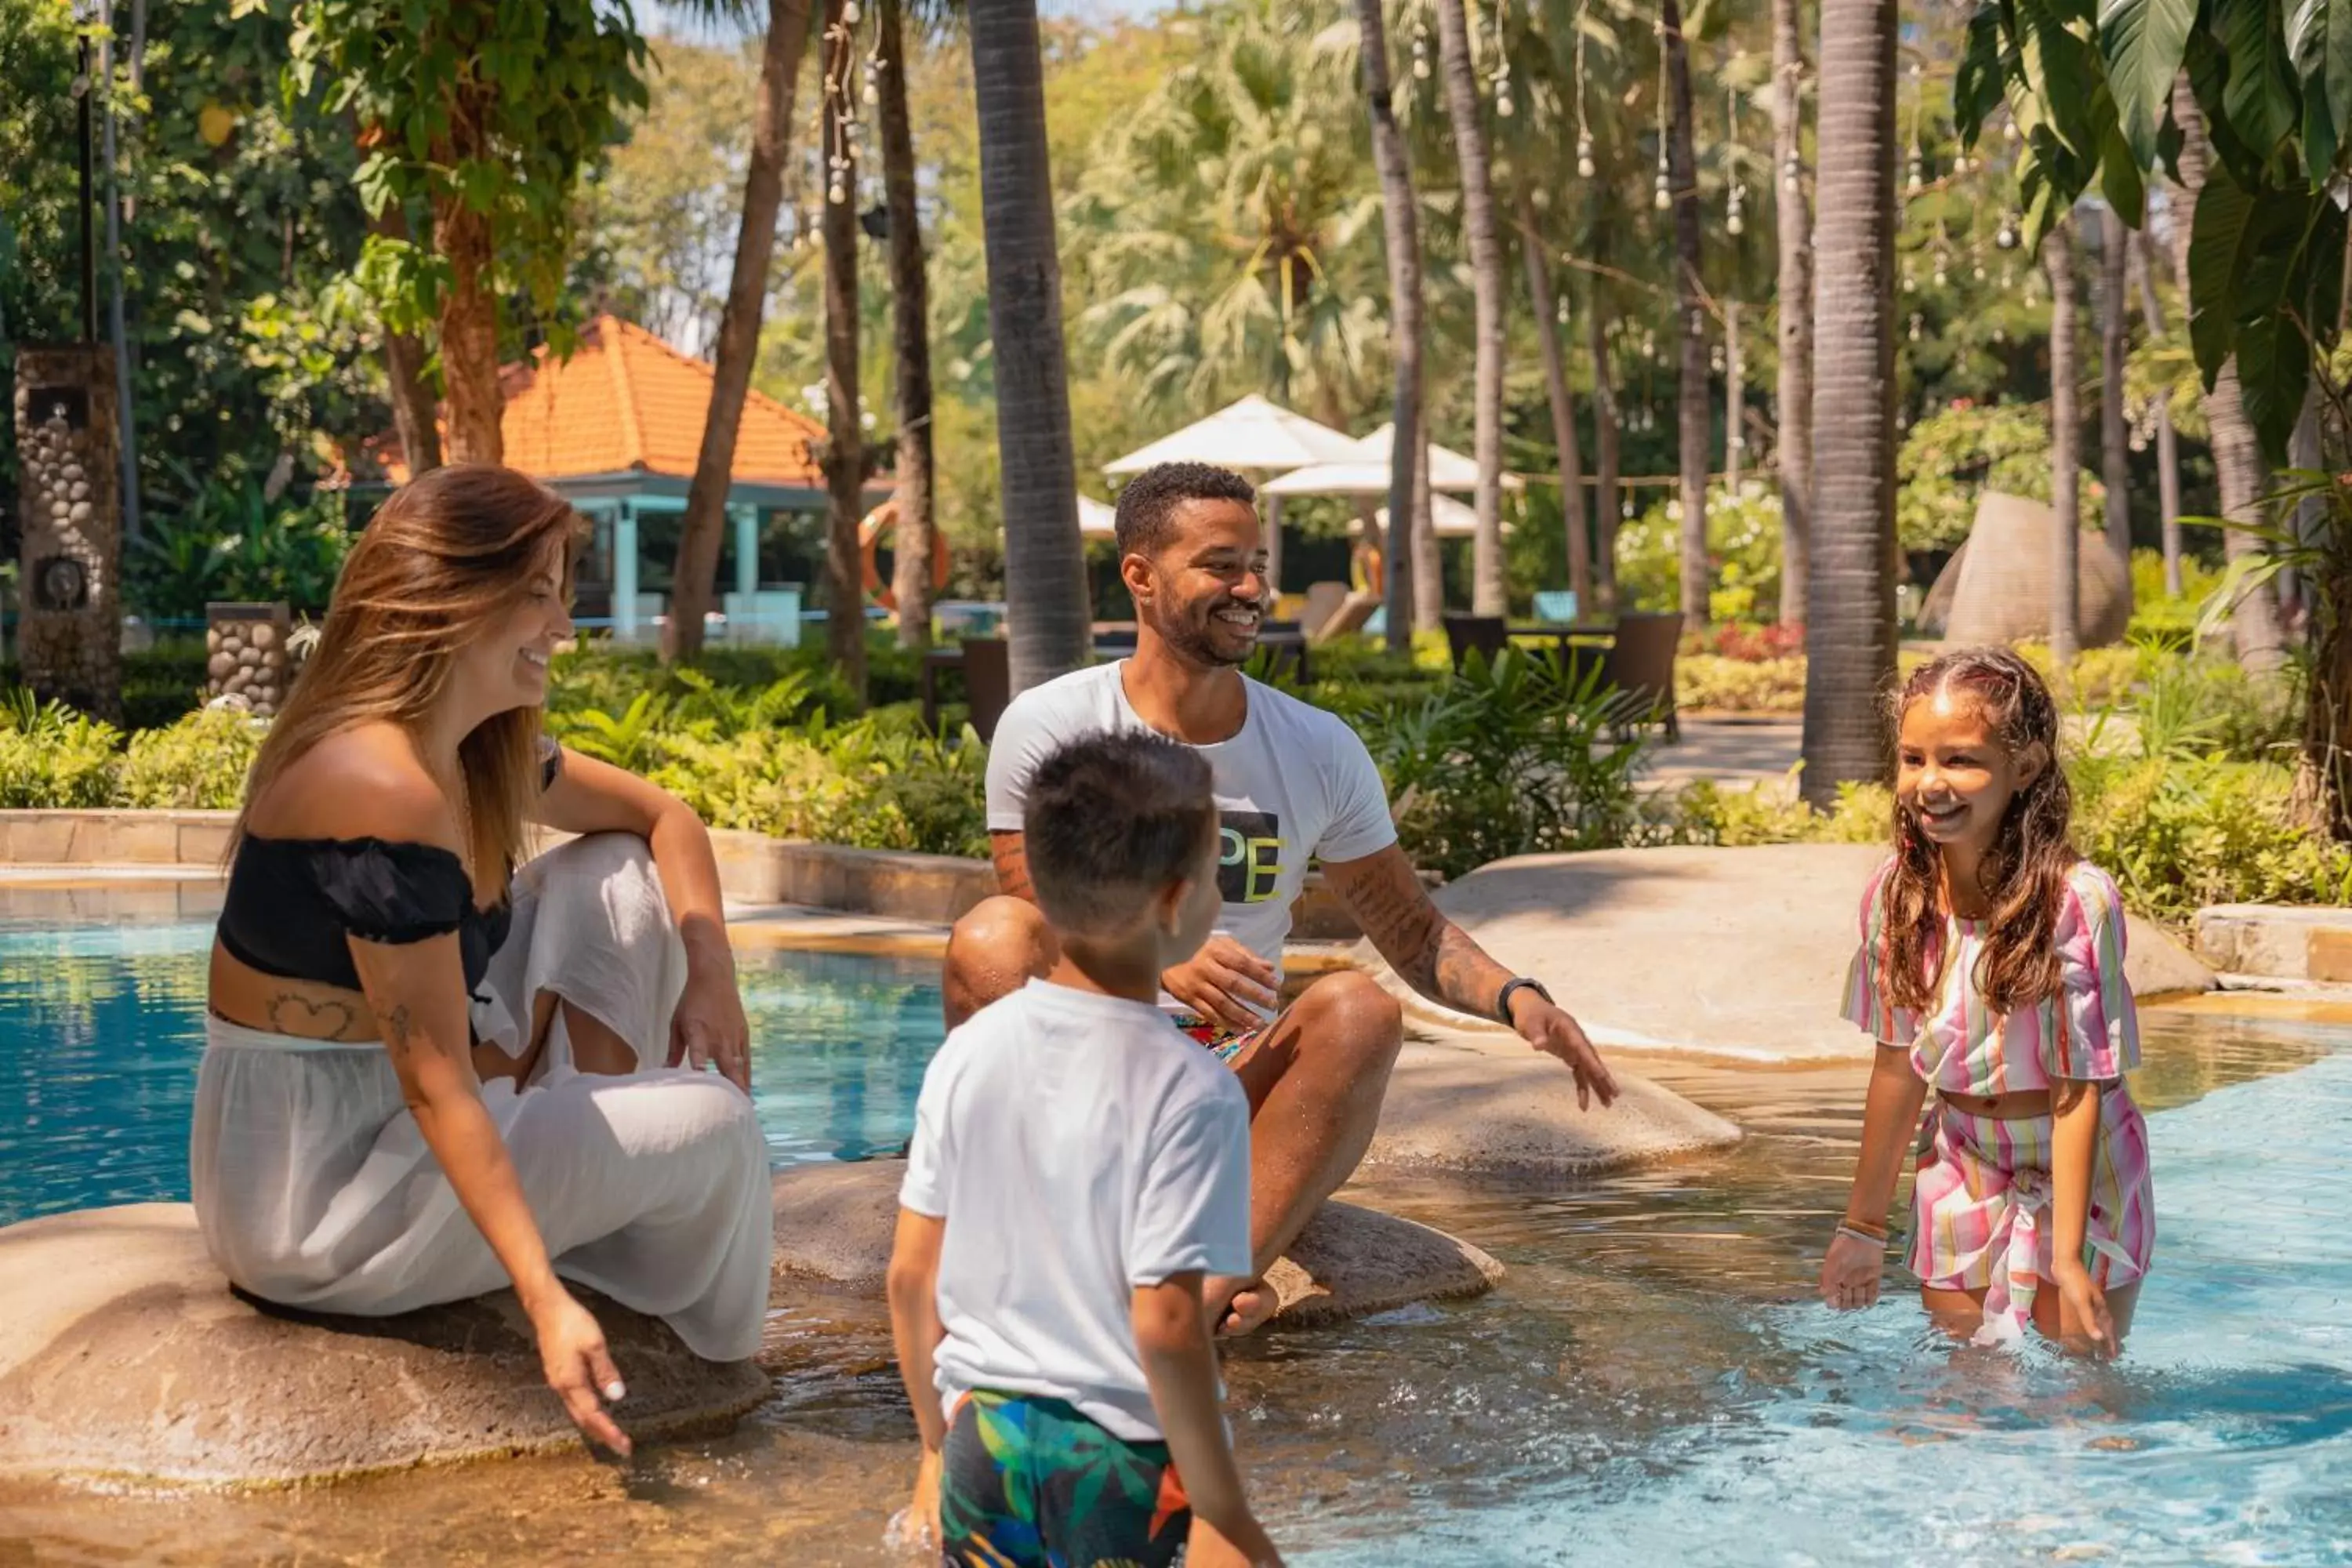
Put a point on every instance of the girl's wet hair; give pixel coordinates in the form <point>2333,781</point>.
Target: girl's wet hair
<point>2024,874</point>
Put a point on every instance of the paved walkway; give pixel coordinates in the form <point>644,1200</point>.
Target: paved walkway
<point>1736,752</point>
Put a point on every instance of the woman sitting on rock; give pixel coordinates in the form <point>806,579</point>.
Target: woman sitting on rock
<point>426,1075</point>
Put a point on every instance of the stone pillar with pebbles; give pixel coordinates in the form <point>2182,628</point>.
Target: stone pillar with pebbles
<point>70,633</point>
<point>247,662</point>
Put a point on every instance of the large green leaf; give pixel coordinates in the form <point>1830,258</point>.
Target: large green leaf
<point>2144,41</point>
<point>1976,84</point>
<point>2319,40</point>
<point>2261,101</point>
<point>2208,80</point>
<point>2226,229</point>
<point>2119,177</point>
<point>2060,71</point>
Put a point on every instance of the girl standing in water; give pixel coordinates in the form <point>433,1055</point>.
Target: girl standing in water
<point>1992,969</point>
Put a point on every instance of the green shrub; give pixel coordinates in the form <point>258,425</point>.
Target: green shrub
<point>1951,456</point>
<point>1506,759</point>
<point>2180,833</point>
<point>53,758</point>
<point>1708,681</point>
<point>1743,547</point>
<point>870,784</point>
<point>1707,813</point>
<point>198,764</point>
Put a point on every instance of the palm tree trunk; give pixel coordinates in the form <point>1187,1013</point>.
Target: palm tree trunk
<point>2065,454</point>
<point>1563,405</point>
<point>1850,595</point>
<point>844,456</point>
<point>1400,232</point>
<point>2237,454</point>
<point>1045,562</point>
<point>911,318</point>
<point>1694,426</point>
<point>415,417</point>
<point>2167,445</point>
<point>1606,504</point>
<point>1487,591</point>
<point>697,572</point>
<point>1793,223</point>
<point>1428,562</point>
<point>2115,440</point>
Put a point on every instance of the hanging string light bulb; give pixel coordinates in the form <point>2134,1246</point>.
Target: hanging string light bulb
<point>2006,236</point>
<point>1735,220</point>
<point>1420,49</point>
<point>1915,326</point>
<point>1584,164</point>
<point>1916,177</point>
<point>1943,244</point>
<point>1663,197</point>
<point>870,95</point>
<point>1504,106</point>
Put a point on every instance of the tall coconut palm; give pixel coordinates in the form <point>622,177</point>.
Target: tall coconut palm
<point>2065,451</point>
<point>2167,445</point>
<point>911,322</point>
<point>413,415</point>
<point>1606,505</point>
<point>1556,391</point>
<point>2237,454</point>
<point>1044,562</point>
<point>1793,222</point>
<point>1850,597</point>
<point>696,575</point>
<point>1488,287</point>
<point>1693,423</point>
<point>844,455</point>
<point>1400,230</point>
<point>2114,436</point>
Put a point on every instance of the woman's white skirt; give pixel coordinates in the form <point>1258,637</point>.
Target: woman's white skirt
<point>315,1189</point>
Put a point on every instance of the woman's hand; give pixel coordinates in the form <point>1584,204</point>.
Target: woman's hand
<point>1851,1271</point>
<point>2085,1324</point>
<point>709,1026</point>
<point>578,1368</point>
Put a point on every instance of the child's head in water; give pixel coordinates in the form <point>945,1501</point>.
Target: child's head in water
<point>1120,832</point>
<point>1981,809</point>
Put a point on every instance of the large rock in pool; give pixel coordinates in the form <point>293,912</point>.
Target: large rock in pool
<point>834,1224</point>
<point>124,1353</point>
<point>1730,953</point>
<point>1495,1106</point>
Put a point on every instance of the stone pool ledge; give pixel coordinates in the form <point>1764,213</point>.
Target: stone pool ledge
<point>1739,954</point>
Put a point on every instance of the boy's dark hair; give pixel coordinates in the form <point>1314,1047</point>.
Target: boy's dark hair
<point>1147,507</point>
<point>1110,821</point>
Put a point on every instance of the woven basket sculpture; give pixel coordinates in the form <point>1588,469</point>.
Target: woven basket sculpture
<point>1997,588</point>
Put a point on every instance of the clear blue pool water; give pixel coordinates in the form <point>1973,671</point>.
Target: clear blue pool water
<point>101,1026</point>
<point>1651,1384</point>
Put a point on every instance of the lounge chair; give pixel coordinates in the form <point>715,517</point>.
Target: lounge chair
<point>1323,601</point>
<point>1641,666</point>
<point>1556,606</point>
<point>1488,634</point>
<point>1348,619</point>
<point>987,682</point>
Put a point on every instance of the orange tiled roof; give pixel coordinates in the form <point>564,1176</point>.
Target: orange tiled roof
<point>627,401</point>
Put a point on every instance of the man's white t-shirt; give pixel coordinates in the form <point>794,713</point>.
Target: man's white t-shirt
<point>1295,783</point>
<point>1079,1147</point>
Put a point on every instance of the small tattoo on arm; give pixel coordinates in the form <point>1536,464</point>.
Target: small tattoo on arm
<point>308,1020</point>
<point>397,1028</point>
<point>1433,954</point>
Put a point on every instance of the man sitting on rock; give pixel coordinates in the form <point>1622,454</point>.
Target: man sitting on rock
<point>1293,782</point>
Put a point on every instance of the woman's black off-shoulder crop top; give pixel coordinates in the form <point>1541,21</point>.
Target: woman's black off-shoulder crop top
<point>292,901</point>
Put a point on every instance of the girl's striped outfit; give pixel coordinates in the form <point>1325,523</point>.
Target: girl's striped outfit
<point>1981,1199</point>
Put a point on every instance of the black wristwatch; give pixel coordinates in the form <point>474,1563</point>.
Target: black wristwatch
<point>1512,988</point>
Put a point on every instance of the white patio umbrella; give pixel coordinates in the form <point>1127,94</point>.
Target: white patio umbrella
<point>1257,436</point>
<point>1367,473</point>
<point>1449,519</point>
<point>1097,520</point>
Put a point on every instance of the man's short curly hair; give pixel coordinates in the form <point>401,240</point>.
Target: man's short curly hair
<point>1147,507</point>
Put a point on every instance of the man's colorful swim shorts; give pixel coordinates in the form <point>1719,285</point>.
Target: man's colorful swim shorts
<point>1223,1040</point>
<point>1030,1482</point>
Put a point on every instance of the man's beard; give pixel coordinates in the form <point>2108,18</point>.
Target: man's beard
<point>1194,641</point>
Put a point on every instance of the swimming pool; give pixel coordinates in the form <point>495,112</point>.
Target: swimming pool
<point>1652,1384</point>
<point>101,1026</point>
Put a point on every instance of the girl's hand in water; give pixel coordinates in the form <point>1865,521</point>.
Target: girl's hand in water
<point>578,1368</point>
<point>1851,1271</point>
<point>2085,1324</point>
<point>923,1510</point>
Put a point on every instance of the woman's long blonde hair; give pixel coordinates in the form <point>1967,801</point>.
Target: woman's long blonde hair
<point>448,554</point>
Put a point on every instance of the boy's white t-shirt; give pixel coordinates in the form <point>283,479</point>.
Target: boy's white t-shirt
<point>1079,1147</point>
<point>1295,783</point>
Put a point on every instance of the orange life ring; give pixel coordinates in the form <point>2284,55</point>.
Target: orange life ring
<point>869,534</point>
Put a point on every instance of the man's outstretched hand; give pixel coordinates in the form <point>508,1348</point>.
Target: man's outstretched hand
<point>1548,1027</point>
<point>1225,983</point>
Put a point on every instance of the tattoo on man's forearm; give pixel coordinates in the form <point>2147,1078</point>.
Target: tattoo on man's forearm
<point>308,1020</point>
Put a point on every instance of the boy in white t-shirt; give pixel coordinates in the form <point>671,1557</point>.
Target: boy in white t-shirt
<point>1078,1167</point>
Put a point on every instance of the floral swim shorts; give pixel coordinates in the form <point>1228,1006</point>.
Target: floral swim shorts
<point>1030,1482</point>
<point>1224,1042</point>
